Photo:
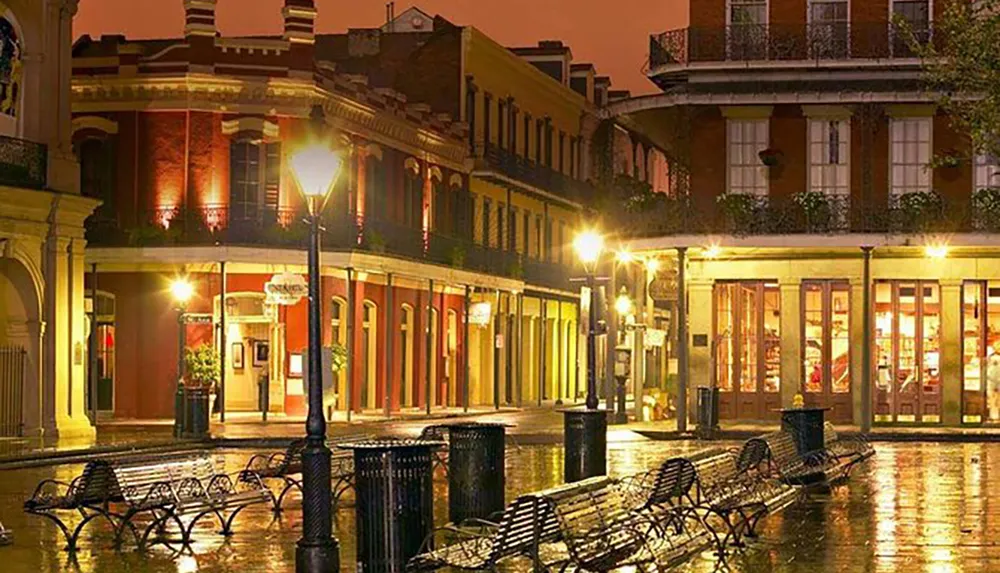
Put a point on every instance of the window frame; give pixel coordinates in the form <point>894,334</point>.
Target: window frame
<point>746,167</point>
<point>893,121</point>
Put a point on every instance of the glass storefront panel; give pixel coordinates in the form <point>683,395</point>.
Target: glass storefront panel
<point>826,375</point>
<point>840,340</point>
<point>748,337</point>
<point>981,352</point>
<point>813,324</point>
<point>772,338</point>
<point>725,358</point>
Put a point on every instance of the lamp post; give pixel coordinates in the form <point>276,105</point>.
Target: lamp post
<point>623,355</point>
<point>586,431</point>
<point>315,168</point>
<point>181,290</point>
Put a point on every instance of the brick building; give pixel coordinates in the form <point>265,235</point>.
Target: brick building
<point>445,263</point>
<point>828,215</point>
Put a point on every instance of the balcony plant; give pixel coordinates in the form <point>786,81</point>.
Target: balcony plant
<point>917,211</point>
<point>739,211</point>
<point>816,209</point>
<point>986,209</point>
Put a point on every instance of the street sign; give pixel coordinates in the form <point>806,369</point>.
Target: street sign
<point>192,318</point>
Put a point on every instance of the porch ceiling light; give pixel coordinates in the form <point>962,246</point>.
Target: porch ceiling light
<point>624,256</point>
<point>588,245</point>
<point>652,265</point>
<point>936,251</point>
<point>711,251</point>
<point>182,290</point>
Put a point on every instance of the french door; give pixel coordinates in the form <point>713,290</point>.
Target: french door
<point>907,352</point>
<point>981,352</point>
<point>826,348</point>
<point>828,29</point>
<point>748,349</point>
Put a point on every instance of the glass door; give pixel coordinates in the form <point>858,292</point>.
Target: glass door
<point>981,352</point>
<point>907,352</point>
<point>748,349</point>
<point>826,378</point>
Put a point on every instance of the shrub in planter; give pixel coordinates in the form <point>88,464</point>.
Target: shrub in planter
<point>918,211</point>
<point>986,209</point>
<point>816,208</point>
<point>201,367</point>
<point>770,157</point>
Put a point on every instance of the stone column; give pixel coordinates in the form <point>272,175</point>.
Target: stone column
<point>57,68</point>
<point>951,352</point>
<point>791,342</point>
<point>858,341</point>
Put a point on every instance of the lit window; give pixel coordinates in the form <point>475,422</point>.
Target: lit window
<point>910,152</point>
<point>746,139</point>
<point>829,157</point>
<point>987,172</point>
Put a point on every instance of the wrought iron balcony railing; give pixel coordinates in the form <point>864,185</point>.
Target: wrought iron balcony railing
<point>23,163</point>
<point>519,168</point>
<point>285,228</point>
<point>819,214</point>
<point>764,42</point>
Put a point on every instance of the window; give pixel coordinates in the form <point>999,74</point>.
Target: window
<point>487,212</point>
<point>987,172</point>
<point>245,190</point>
<point>828,25</point>
<point>560,244</point>
<point>470,104</point>
<point>746,139</point>
<point>826,338</point>
<point>572,156</point>
<point>910,153</point>
<point>549,255</point>
<point>916,14</point>
<point>501,118</point>
<point>527,234</point>
<point>487,103</point>
<point>562,149</point>
<point>375,206</point>
<point>500,223</point>
<point>748,338</point>
<point>98,172</point>
<point>412,198</point>
<point>981,351</point>
<point>747,34</point>
<point>538,237</point>
<point>539,125</point>
<point>829,155</point>
<point>527,135</point>
<point>512,145</point>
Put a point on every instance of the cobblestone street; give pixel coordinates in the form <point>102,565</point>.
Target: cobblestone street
<point>913,507</point>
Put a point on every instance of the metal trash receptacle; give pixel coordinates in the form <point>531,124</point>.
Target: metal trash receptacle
<point>476,470</point>
<point>708,411</point>
<point>394,505</point>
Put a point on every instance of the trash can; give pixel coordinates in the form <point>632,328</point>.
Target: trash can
<point>195,419</point>
<point>476,470</point>
<point>394,506</point>
<point>585,437</point>
<point>708,411</point>
<point>806,427</point>
<point>263,395</point>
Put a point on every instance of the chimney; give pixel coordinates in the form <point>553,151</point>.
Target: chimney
<point>199,18</point>
<point>300,18</point>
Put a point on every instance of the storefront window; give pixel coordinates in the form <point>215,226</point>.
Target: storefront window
<point>724,317</point>
<point>748,337</point>
<point>813,348</point>
<point>840,340</point>
<point>772,338</point>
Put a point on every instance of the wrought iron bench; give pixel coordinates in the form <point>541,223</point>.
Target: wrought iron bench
<point>170,489</point>
<point>853,448</point>
<point>525,529</point>
<point>599,530</point>
<point>781,459</point>
<point>730,494</point>
<point>90,496</point>
<point>286,465</point>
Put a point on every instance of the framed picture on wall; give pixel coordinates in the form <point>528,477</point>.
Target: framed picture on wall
<point>295,365</point>
<point>238,358</point>
<point>261,352</point>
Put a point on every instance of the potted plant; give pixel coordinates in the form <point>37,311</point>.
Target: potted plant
<point>201,369</point>
<point>770,157</point>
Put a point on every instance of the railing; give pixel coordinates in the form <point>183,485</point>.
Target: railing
<point>536,175</point>
<point>742,215</point>
<point>764,42</point>
<point>217,225</point>
<point>23,163</point>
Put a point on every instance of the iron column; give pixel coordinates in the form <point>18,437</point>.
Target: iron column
<point>866,345</point>
<point>682,341</point>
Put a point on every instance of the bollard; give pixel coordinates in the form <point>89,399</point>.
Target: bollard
<point>476,472</point>
<point>586,444</point>
<point>394,506</point>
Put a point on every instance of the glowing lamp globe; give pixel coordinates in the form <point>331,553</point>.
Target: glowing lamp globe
<point>623,304</point>
<point>181,290</point>
<point>316,168</point>
<point>588,246</point>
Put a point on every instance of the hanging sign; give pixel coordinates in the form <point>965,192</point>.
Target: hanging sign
<point>662,289</point>
<point>654,338</point>
<point>286,289</point>
<point>480,313</point>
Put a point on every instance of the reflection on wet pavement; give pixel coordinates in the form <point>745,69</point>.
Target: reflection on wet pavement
<point>913,507</point>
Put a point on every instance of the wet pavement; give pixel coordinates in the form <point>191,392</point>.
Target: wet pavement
<point>912,507</point>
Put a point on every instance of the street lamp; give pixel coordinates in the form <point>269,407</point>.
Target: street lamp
<point>181,290</point>
<point>316,167</point>
<point>586,431</point>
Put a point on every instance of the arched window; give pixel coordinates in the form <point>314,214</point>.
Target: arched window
<point>338,323</point>
<point>369,364</point>
<point>254,180</point>
<point>406,354</point>
<point>440,202</point>
<point>375,203</point>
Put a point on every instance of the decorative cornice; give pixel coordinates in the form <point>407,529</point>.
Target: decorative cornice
<point>275,96</point>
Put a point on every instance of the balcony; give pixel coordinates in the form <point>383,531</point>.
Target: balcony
<point>285,228</point>
<point>807,213</point>
<point>514,166</point>
<point>23,163</point>
<point>781,43</point>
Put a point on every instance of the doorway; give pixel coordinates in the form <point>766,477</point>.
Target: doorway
<point>248,360</point>
<point>748,349</point>
<point>907,352</point>
<point>369,358</point>
<point>406,355</point>
<point>826,348</point>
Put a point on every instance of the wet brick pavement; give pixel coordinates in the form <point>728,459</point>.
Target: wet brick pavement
<point>913,507</point>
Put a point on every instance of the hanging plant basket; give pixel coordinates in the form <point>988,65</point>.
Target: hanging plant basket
<point>771,157</point>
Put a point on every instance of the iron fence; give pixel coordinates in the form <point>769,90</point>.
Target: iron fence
<point>23,163</point>
<point>13,365</point>
<point>774,42</point>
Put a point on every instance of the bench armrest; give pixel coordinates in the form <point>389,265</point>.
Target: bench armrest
<point>461,536</point>
<point>260,462</point>
<point>50,489</point>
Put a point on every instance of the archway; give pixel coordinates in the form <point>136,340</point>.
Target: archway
<point>20,340</point>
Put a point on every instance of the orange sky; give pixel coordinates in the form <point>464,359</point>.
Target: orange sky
<point>613,34</point>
